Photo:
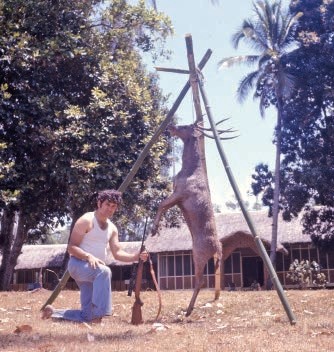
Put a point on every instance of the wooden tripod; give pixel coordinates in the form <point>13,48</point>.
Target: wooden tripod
<point>196,83</point>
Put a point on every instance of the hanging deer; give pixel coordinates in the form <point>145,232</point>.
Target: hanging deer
<point>191,194</point>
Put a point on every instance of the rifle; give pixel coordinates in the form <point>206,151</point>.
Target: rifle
<point>137,318</point>
<point>132,279</point>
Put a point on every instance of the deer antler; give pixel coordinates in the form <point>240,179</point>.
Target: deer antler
<point>229,130</point>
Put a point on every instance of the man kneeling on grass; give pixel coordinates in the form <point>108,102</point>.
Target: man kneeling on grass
<point>90,237</point>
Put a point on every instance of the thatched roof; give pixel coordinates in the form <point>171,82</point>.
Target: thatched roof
<point>52,255</point>
<point>173,239</point>
<point>288,232</point>
<point>41,256</point>
<point>177,239</point>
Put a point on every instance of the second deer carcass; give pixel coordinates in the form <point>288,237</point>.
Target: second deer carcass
<point>191,194</point>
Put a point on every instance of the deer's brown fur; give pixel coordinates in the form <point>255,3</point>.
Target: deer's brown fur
<point>191,194</point>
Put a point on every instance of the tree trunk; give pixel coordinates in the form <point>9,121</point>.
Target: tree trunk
<point>63,268</point>
<point>12,249</point>
<point>7,234</point>
<point>273,246</point>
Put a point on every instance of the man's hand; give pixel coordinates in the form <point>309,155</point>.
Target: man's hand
<point>143,256</point>
<point>93,261</point>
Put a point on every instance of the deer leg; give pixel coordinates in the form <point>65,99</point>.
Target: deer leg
<point>199,279</point>
<point>217,275</point>
<point>164,206</point>
<point>192,301</point>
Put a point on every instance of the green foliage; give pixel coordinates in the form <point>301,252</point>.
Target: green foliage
<point>263,184</point>
<point>306,274</point>
<point>293,196</point>
<point>76,107</point>
<point>319,224</point>
<point>307,129</point>
<point>270,33</point>
<point>77,104</point>
<point>307,134</point>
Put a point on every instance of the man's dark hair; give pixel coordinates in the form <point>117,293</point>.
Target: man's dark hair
<point>111,195</point>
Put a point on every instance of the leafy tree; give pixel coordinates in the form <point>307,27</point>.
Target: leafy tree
<point>76,108</point>
<point>308,137</point>
<point>263,183</point>
<point>318,223</point>
<point>292,197</point>
<point>270,33</point>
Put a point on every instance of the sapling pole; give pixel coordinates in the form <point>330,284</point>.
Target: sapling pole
<point>62,282</point>
<point>199,119</point>
<point>248,219</point>
<point>194,84</point>
<point>172,70</point>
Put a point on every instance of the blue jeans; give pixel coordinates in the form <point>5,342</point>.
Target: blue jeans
<point>95,292</point>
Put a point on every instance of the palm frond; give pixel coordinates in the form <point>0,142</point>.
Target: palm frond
<point>260,9</point>
<point>237,60</point>
<point>251,34</point>
<point>262,105</point>
<point>245,85</point>
<point>270,34</point>
<point>267,21</point>
<point>291,21</point>
<point>245,31</point>
<point>276,23</point>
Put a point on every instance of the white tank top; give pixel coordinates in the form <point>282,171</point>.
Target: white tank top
<point>96,240</point>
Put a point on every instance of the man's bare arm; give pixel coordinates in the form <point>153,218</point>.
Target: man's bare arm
<point>120,254</point>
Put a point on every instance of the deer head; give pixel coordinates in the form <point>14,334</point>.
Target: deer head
<point>196,130</point>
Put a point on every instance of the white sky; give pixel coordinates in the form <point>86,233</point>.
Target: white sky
<point>211,27</point>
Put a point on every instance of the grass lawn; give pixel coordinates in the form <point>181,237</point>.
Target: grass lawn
<point>238,321</point>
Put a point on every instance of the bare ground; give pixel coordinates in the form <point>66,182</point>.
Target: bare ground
<point>238,321</point>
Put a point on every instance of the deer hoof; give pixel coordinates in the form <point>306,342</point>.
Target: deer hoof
<point>189,310</point>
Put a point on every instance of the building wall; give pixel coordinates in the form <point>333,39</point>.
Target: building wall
<point>28,279</point>
<point>305,251</point>
<point>241,269</point>
<point>176,271</point>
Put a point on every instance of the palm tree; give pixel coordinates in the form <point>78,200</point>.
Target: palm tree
<point>270,34</point>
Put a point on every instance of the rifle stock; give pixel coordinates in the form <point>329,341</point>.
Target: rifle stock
<point>137,317</point>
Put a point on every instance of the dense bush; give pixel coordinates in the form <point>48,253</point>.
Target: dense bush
<point>306,274</point>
